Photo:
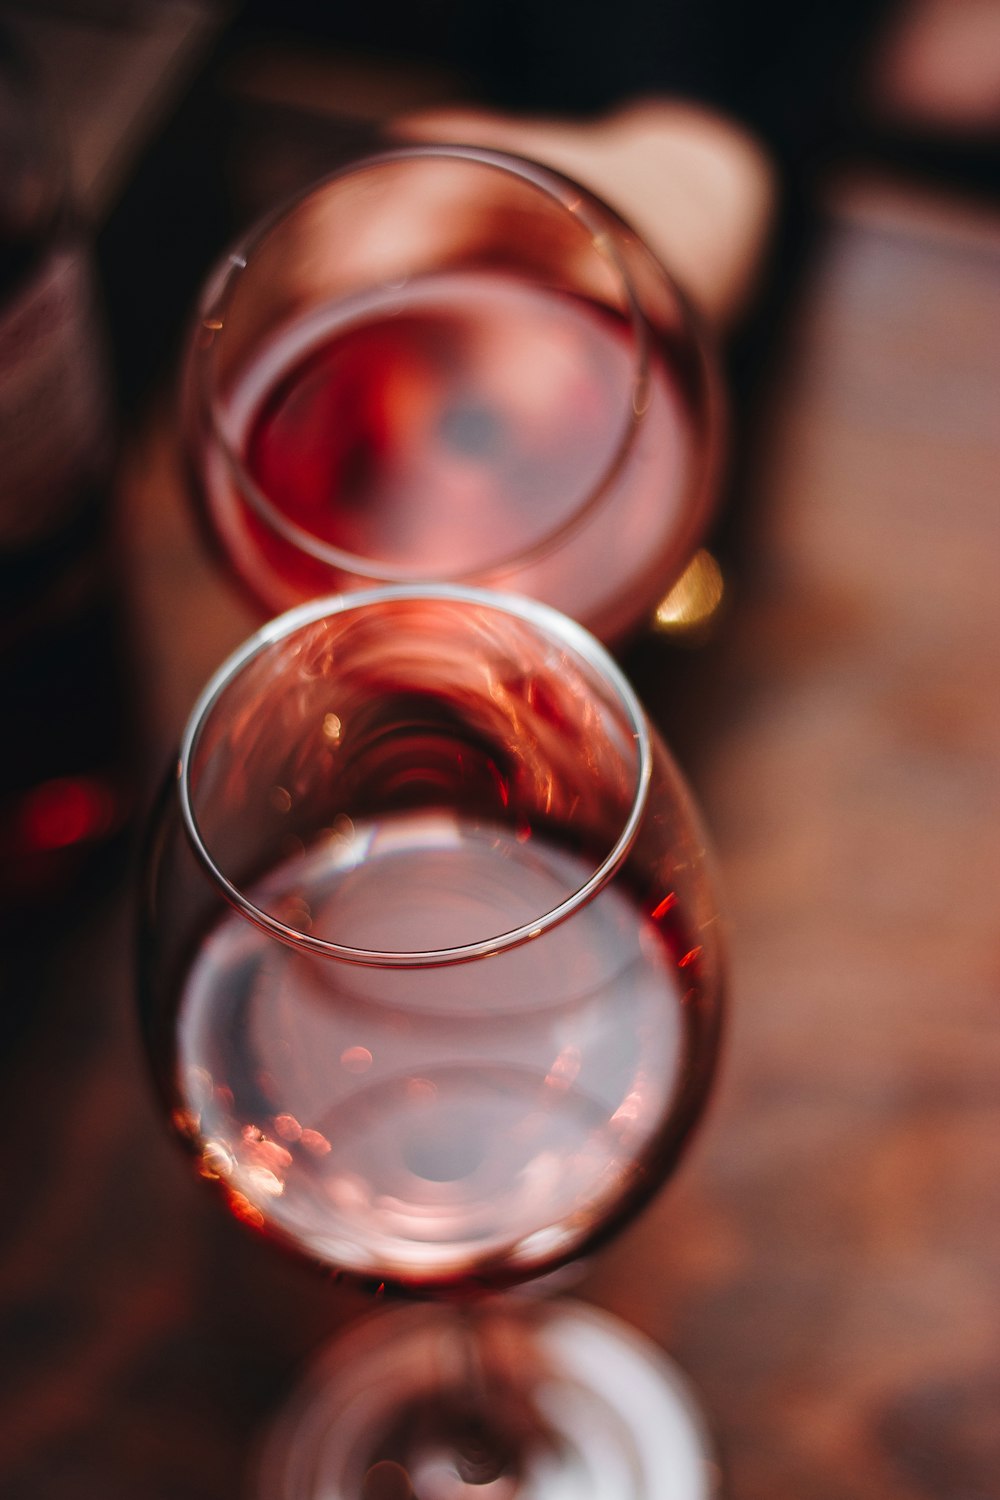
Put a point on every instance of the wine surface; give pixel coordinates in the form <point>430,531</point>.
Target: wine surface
<point>439,1124</point>
<point>448,426</point>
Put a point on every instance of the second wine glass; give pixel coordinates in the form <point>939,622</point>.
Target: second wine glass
<point>446,362</point>
<point>432,975</point>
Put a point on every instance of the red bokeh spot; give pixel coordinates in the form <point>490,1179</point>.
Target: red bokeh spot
<point>65,811</point>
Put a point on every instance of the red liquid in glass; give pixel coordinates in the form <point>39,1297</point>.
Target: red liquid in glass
<point>474,1122</point>
<point>445,427</point>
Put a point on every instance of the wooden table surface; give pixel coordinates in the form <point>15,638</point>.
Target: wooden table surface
<point>826,1264</point>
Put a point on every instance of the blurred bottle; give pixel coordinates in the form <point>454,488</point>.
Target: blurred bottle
<point>63,742</point>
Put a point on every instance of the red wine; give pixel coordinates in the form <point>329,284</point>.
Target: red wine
<point>445,428</point>
<point>445,1124</point>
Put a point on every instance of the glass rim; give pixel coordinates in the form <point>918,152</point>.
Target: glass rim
<point>558,628</point>
<point>595,218</point>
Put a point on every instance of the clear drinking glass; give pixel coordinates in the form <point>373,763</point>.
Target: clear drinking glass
<point>445,362</point>
<point>431,974</point>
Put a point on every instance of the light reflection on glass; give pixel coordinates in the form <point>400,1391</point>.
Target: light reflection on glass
<point>695,599</point>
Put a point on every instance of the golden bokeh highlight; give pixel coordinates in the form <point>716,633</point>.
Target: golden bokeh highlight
<point>693,605</point>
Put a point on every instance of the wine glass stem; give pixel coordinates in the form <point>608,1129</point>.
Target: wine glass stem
<point>484,1449</point>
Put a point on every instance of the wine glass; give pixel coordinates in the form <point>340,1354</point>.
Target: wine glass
<point>445,362</point>
<point>431,974</point>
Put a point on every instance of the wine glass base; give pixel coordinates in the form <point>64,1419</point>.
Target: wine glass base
<point>516,1400</point>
